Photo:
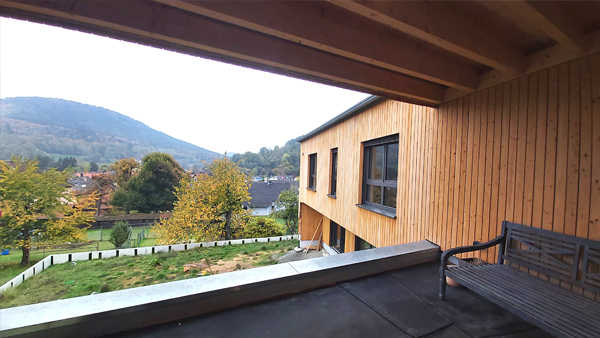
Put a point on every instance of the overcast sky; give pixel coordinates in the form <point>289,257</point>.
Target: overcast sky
<point>214,105</point>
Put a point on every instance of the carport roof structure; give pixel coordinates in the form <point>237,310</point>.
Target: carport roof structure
<point>420,52</point>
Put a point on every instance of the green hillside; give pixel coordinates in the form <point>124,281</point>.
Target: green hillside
<point>277,161</point>
<point>32,126</point>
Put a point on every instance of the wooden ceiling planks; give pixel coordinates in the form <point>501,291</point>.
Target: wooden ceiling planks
<point>418,52</point>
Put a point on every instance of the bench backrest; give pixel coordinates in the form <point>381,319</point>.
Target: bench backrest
<point>567,258</point>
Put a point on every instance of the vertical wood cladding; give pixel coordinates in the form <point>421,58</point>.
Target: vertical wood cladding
<point>526,151</point>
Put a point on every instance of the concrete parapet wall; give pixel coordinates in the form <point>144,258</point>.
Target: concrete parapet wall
<point>118,311</point>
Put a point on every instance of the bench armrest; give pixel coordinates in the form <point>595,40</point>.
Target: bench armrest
<point>480,246</point>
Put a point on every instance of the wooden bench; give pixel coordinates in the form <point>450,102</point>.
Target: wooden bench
<point>531,264</point>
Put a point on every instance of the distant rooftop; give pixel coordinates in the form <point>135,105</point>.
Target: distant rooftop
<point>265,193</point>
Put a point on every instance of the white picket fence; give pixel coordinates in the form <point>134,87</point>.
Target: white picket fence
<point>50,260</point>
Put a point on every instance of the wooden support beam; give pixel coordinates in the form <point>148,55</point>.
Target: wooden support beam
<point>162,26</point>
<point>546,58</point>
<point>334,30</point>
<point>443,27</point>
<point>549,18</point>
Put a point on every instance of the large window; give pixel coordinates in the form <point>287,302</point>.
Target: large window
<point>312,172</point>
<point>334,165</point>
<point>381,175</point>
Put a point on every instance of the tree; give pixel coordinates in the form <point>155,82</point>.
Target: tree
<point>67,162</point>
<point>125,169</point>
<point>286,207</point>
<point>103,185</point>
<point>209,205</point>
<point>93,167</point>
<point>45,162</point>
<point>84,167</point>
<point>36,206</point>
<point>120,233</point>
<point>152,190</point>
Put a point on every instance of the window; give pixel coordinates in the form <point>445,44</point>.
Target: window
<point>337,237</point>
<point>361,244</point>
<point>312,173</point>
<point>334,162</point>
<point>381,175</point>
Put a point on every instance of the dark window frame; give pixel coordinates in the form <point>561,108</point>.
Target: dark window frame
<point>383,183</point>
<point>333,236</point>
<point>333,174</point>
<point>357,244</point>
<point>312,172</point>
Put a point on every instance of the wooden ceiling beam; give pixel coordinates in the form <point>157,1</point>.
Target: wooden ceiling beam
<point>162,26</point>
<point>314,24</point>
<point>443,27</point>
<point>543,59</point>
<point>550,18</point>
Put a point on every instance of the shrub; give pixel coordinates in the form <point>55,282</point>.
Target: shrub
<point>104,288</point>
<point>263,227</point>
<point>120,233</point>
<point>155,262</point>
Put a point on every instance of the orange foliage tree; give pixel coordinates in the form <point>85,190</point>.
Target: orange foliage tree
<point>208,206</point>
<point>37,205</point>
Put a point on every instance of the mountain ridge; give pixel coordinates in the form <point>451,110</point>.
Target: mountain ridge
<point>31,126</point>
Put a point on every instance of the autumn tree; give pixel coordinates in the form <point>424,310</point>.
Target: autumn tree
<point>37,205</point>
<point>125,169</point>
<point>286,207</point>
<point>152,190</point>
<point>103,186</point>
<point>208,206</point>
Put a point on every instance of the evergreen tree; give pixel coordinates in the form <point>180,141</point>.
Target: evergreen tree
<point>93,167</point>
<point>152,190</point>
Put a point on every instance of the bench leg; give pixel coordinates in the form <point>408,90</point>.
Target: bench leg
<point>442,283</point>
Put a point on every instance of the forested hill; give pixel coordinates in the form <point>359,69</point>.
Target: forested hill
<point>35,126</point>
<point>267,162</point>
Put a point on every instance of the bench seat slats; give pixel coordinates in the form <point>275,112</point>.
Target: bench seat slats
<point>552,295</point>
<point>544,302</point>
<point>583,303</point>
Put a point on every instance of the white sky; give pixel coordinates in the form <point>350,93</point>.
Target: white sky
<point>214,105</point>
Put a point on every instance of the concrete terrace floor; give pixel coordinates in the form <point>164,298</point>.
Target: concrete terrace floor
<point>401,303</point>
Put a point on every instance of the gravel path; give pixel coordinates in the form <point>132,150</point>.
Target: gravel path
<point>292,255</point>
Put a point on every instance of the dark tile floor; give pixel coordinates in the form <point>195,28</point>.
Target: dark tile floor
<point>401,303</point>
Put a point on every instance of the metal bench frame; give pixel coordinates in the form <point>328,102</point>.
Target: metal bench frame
<point>540,251</point>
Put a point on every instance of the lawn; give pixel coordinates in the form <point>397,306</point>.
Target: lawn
<point>86,277</point>
<point>9,264</point>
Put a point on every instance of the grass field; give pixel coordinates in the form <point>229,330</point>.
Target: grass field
<point>9,264</point>
<point>68,281</point>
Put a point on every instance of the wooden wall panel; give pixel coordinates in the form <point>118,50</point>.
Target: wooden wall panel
<point>526,151</point>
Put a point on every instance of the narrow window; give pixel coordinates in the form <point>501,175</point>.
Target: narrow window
<point>334,165</point>
<point>312,175</point>
<point>337,237</point>
<point>380,175</point>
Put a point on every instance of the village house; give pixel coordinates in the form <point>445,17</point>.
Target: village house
<point>265,194</point>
